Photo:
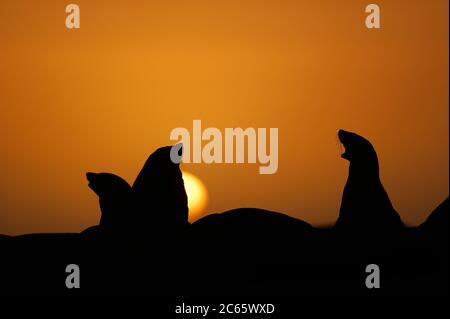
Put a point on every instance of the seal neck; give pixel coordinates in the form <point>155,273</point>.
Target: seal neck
<point>365,172</point>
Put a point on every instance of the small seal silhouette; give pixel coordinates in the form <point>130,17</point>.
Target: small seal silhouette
<point>114,198</point>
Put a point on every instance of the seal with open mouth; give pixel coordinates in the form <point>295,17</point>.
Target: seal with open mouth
<point>365,204</point>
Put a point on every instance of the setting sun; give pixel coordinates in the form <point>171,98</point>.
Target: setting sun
<point>197,195</point>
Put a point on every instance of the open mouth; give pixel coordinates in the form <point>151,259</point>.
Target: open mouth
<point>90,178</point>
<point>341,135</point>
<point>91,186</point>
<point>345,153</point>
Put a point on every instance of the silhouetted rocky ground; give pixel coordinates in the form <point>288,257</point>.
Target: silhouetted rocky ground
<point>290,261</point>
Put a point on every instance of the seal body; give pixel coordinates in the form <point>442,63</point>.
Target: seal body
<point>365,204</point>
<point>159,195</point>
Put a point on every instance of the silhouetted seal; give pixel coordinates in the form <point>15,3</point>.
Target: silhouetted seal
<point>114,198</point>
<point>365,204</point>
<point>158,193</point>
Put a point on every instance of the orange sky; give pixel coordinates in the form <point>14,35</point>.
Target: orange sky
<point>103,97</point>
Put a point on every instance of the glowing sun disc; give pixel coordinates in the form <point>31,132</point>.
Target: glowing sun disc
<point>196,193</point>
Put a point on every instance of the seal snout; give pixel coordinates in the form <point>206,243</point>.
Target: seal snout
<point>341,135</point>
<point>91,178</point>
